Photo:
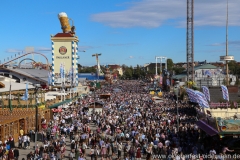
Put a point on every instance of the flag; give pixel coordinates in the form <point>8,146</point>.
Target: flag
<point>160,79</point>
<point>202,101</point>
<point>206,92</point>
<point>69,75</point>
<point>10,97</point>
<point>168,82</point>
<point>25,96</point>
<point>225,92</point>
<point>61,71</point>
<point>208,73</point>
<point>98,85</point>
<point>49,78</point>
<point>72,75</point>
<point>191,95</point>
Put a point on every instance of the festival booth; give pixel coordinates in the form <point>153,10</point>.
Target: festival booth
<point>157,99</point>
<point>104,96</point>
<point>98,107</point>
<point>220,119</point>
<point>21,119</point>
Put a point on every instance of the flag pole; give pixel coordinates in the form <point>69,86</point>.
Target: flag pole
<point>64,82</point>
<point>71,83</point>
<point>27,97</point>
<point>61,79</point>
<point>10,97</point>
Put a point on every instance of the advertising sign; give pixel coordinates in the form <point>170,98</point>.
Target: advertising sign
<point>226,58</point>
<point>230,125</point>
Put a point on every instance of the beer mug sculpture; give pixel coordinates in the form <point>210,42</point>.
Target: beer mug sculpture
<point>64,22</point>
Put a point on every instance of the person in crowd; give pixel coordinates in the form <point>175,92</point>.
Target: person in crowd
<point>16,153</point>
<point>131,125</point>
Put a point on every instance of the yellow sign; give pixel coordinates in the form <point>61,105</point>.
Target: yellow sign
<point>41,106</point>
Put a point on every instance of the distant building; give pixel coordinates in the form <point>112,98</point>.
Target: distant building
<point>207,75</point>
<point>114,68</point>
<point>32,76</point>
<point>152,66</point>
<point>218,64</point>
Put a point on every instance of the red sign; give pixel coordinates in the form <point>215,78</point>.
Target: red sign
<point>62,50</point>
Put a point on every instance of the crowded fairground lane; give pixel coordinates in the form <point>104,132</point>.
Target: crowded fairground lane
<point>61,109</point>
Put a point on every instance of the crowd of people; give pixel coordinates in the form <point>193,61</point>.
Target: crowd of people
<point>130,126</point>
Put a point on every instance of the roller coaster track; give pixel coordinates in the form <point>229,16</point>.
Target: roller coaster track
<point>25,60</point>
<point>2,65</point>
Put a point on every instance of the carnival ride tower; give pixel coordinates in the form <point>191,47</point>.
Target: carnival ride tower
<point>190,40</point>
<point>99,71</point>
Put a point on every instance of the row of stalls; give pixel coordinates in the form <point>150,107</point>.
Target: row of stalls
<point>11,122</point>
<point>222,125</point>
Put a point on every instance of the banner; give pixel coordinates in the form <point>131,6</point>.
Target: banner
<point>191,95</point>
<point>202,101</point>
<point>168,82</point>
<point>225,92</point>
<point>160,80</point>
<point>25,96</point>
<point>206,92</point>
<point>61,71</point>
<point>208,73</point>
<point>10,97</point>
<point>49,78</point>
<point>71,74</point>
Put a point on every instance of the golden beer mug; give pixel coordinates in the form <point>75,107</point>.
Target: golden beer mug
<point>66,28</point>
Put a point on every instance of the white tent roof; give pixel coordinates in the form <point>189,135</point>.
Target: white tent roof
<point>14,86</point>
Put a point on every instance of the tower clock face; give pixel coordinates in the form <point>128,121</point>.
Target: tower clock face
<point>62,50</point>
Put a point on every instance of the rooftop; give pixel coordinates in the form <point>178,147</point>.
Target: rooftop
<point>63,35</point>
<point>14,86</point>
<point>36,74</point>
<point>205,66</point>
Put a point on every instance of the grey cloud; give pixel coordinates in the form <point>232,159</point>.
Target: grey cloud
<point>43,49</point>
<point>233,43</point>
<point>154,13</point>
<point>13,50</point>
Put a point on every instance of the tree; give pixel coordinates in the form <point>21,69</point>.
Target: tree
<point>234,67</point>
<point>178,70</point>
<point>137,73</point>
<point>142,72</point>
<point>170,64</point>
<point>124,67</point>
<point>88,70</point>
<point>237,81</point>
<point>128,73</point>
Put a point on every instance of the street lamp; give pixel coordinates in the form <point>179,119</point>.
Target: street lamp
<point>37,86</point>
<point>176,91</point>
